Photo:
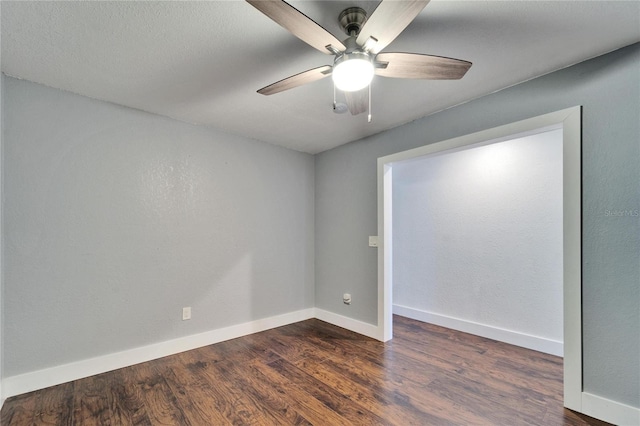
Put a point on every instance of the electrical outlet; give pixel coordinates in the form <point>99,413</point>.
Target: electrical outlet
<point>186,313</point>
<point>346,298</point>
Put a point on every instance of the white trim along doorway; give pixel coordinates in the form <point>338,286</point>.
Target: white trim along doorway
<point>570,121</point>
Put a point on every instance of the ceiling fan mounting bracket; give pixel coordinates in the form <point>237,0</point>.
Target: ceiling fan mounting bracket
<point>351,20</point>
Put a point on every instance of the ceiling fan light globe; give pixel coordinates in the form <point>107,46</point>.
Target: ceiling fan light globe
<point>353,74</point>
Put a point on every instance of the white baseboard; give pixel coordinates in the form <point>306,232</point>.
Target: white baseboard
<point>357,326</point>
<point>536,343</point>
<point>16,385</point>
<point>592,405</point>
<point>610,411</point>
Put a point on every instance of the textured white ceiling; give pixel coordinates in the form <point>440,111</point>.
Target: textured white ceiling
<point>202,62</point>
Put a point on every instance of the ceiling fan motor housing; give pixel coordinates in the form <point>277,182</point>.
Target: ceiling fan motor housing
<point>351,20</point>
<point>351,55</point>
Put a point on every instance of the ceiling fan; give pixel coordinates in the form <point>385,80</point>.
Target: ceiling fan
<point>358,57</point>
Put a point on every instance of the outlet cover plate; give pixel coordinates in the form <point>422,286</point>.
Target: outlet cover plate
<point>186,313</point>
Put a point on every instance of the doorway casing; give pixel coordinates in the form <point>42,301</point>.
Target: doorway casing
<point>570,120</point>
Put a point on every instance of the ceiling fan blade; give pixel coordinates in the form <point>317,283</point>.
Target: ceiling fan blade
<point>298,24</point>
<point>416,65</point>
<point>296,80</point>
<point>357,101</point>
<point>389,19</point>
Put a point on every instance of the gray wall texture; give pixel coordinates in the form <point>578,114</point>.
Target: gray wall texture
<point>115,219</point>
<point>608,87</point>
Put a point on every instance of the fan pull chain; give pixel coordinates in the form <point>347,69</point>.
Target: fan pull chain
<point>369,117</point>
<point>334,97</point>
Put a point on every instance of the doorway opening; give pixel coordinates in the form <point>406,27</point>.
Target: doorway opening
<point>478,240</point>
<point>568,122</point>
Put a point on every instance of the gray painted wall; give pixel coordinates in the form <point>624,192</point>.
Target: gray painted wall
<point>116,219</point>
<point>477,235</point>
<point>609,89</point>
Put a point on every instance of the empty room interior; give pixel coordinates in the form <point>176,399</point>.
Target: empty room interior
<point>207,219</point>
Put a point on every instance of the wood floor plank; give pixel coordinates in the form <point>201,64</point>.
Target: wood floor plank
<point>310,402</point>
<point>281,410</point>
<point>20,410</point>
<point>315,373</point>
<point>404,388</point>
<point>424,369</point>
<point>485,368</point>
<point>266,404</point>
<point>343,409</point>
<point>239,406</point>
<point>343,346</point>
<point>209,396</point>
<point>380,398</point>
<point>95,402</point>
<point>285,346</point>
<point>55,405</point>
<point>196,404</point>
<point>486,401</point>
<point>257,345</point>
<point>160,402</point>
<point>278,401</point>
<point>130,400</point>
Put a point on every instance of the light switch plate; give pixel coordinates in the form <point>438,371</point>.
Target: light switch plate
<point>373,241</point>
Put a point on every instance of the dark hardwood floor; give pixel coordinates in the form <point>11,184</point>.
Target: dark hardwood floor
<point>314,373</point>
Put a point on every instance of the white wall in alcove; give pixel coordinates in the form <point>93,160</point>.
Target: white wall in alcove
<point>477,240</point>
